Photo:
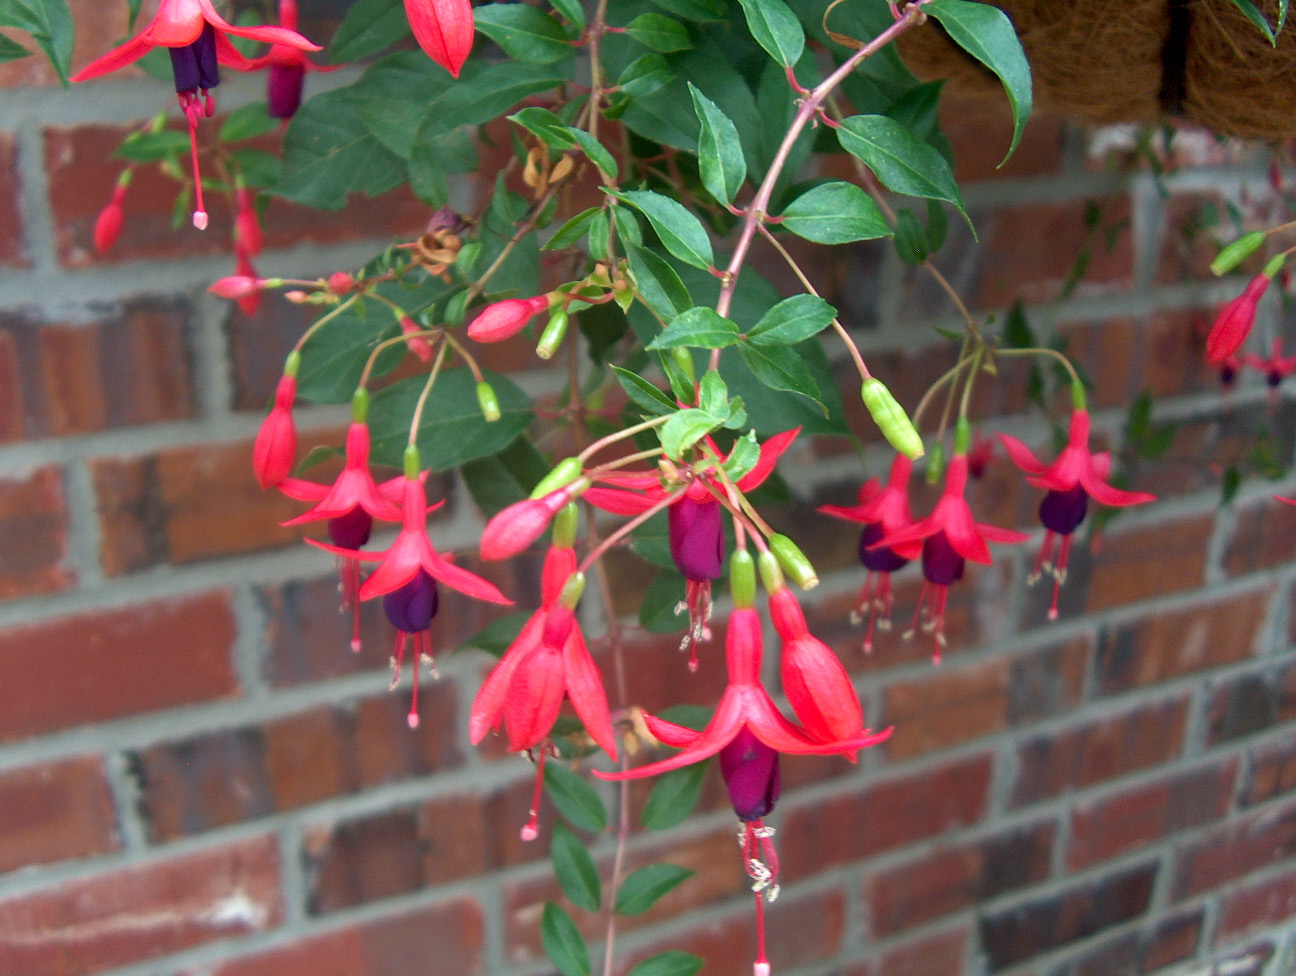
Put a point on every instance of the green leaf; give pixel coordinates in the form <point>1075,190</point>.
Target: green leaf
<point>670,963</point>
<point>792,320</point>
<point>524,32</point>
<point>645,887</point>
<point>643,394</point>
<point>574,798</point>
<point>987,34</point>
<point>744,456</point>
<point>657,283</point>
<point>258,168</point>
<point>575,870</point>
<point>544,125</point>
<point>396,124</point>
<point>50,24</point>
<point>505,477</point>
<point>334,357</point>
<point>150,147</point>
<point>713,396</point>
<point>562,942</point>
<point>572,231</point>
<point>570,9</point>
<point>247,122</point>
<point>680,231</point>
<point>835,213</point>
<point>776,29</point>
<point>699,328</point>
<point>595,152</point>
<point>698,10</point>
<point>645,75</point>
<point>369,27</point>
<point>910,238</point>
<point>902,161</point>
<point>673,797</point>
<point>12,50</point>
<point>497,635</point>
<point>780,368</point>
<point>489,93</point>
<point>452,429</point>
<point>684,430</point>
<point>1252,14</point>
<point>659,33</point>
<point>720,155</point>
<point>427,174</point>
<point>658,611</point>
<point>937,226</point>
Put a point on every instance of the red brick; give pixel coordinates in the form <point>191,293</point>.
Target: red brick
<point>1272,771</point>
<point>1051,763</point>
<point>714,858</point>
<point>931,955</point>
<point>1011,935</point>
<point>1249,703</point>
<point>953,878</point>
<point>1106,827</point>
<point>1047,681</point>
<point>54,812</point>
<point>33,535</point>
<point>82,173</point>
<point>980,130</point>
<point>127,367</point>
<point>1162,646</point>
<point>1148,561</point>
<point>94,923</point>
<point>1106,350</point>
<point>1234,849</point>
<point>451,933</point>
<point>13,247</point>
<point>11,389</point>
<point>1264,536</point>
<point>1260,904</point>
<point>884,815</point>
<point>118,662</point>
<point>1170,360</point>
<point>233,775</point>
<point>945,708</point>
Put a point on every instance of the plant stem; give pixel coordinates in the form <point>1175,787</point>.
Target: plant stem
<point>621,435</point>
<point>427,389</point>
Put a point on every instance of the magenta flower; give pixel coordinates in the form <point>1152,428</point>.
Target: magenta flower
<point>275,448</point>
<point>950,536</point>
<point>443,29</point>
<point>288,66</point>
<point>505,319</point>
<point>1076,476</point>
<point>1233,324</point>
<point>883,511</point>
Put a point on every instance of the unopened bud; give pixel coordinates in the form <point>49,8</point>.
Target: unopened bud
<point>572,590</point>
<point>935,463</point>
<point>552,336</point>
<point>488,401</point>
<point>565,524</point>
<point>891,418</point>
<point>503,320</point>
<point>793,561</point>
<point>742,579</point>
<point>1237,252</point>
<point>339,282</point>
<point>237,286</point>
<point>564,473</point>
<point>770,573</point>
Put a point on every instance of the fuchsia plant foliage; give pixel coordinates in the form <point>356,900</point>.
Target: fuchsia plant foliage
<point>616,241</point>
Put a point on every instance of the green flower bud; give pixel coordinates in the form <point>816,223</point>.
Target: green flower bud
<point>488,401</point>
<point>564,473</point>
<point>565,524</point>
<point>360,405</point>
<point>1237,252</point>
<point>742,579</point>
<point>412,463</point>
<point>891,418</point>
<point>292,363</point>
<point>572,590</point>
<point>770,573</point>
<point>684,360</point>
<point>552,336</point>
<point>935,463</point>
<point>793,562</point>
<point>962,436</point>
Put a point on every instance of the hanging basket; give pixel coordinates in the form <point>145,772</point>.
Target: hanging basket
<point>1138,61</point>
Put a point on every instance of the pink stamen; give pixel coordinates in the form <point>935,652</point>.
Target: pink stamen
<point>351,598</point>
<point>1059,575</point>
<point>193,109</point>
<point>531,829</point>
<point>1044,559</point>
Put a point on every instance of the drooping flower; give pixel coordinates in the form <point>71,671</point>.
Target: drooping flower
<point>751,773</point>
<point>287,66</point>
<point>410,609</point>
<point>1275,368</point>
<point>1233,324</point>
<point>108,225</point>
<point>505,319</point>
<point>198,38</point>
<point>883,511</point>
<point>949,536</point>
<point>1076,476</point>
<point>275,448</point>
<point>350,505</point>
<point>250,301</point>
<point>443,29</point>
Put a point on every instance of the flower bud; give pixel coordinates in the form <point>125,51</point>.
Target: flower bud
<point>552,336</point>
<point>785,612</point>
<point>505,319</point>
<point>488,401</point>
<point>793,562</point>
<point>247,228</point>
<point>742,579</point>
<point>238,286</point>
<point>566,522</point>
<point>339,282</point>
<point>275,448</point>
<point>1235,319</point>
<point>935,464</point>
<point>564,473</point>
<point>108,226</point>
<point>417,344</point>
<point>1237,252</point>
<point>519,525</point>
<point>891,418</point>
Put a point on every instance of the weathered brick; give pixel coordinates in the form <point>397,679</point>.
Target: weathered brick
<point>1047,681</point>
<point>1160,646</point>
<point>105,920</point>
<point>1011,935</point>
<point>82,174</point>
<point>1260,904</point>
<point>1144,562</point>
<point>1248,703</point>
<point>13,247</point>
<point>1153,946</point>
<point>1271,772</point>
<point>129,366</point>
<point>33,534</point>
<point>54,812</point>
<point>981,129</point>
<point>1114,824</point>
<point>1053,762</point>
<point>1234,848</point>
<point>887,814</point>
<point>114,663</point>
<point>451,933</point>
<point>931,955</point>
<point>953,878</point>
<point>1264,536</point>
<point>232,775</point>
<point>945,708</point>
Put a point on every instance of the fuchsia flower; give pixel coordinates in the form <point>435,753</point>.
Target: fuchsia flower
<point>108,225</point>
<point>443,29</point>
<point>275,448</point>
<point>949,537</point>
<point>1076,476</point>
<point>288,67</point>
<point>503,320</point>
<point>1233,324</point>
<point>884,511</point>
<point>198,40</point>
<point>1275,368</point>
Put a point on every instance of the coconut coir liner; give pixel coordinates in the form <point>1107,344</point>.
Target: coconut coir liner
<point>1137,61</point>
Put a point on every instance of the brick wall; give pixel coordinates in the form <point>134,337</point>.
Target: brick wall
<point>197,777</point>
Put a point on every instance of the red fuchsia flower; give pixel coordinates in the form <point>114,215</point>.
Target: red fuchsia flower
<point>513,529</point>
<point>288,67</point>
<point>1076,476</point>
<point>350,505</point>
<point>1229,368</point>
<point>108,225</point>
<point>980,454</point>
<point>695,525</point>
<point>884,511</point>
<point>238,286</point>
<point>751,774</point>
<point>1233,324</point>
<point>249,302</point>
<point>949,537</point>
<point>198,40</point>
<point>503,320</point>
<point>1275,368</point>
<point>443,29</point>
<point>275,448</point>
<point>247,226</point>
<point>417,344</point>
